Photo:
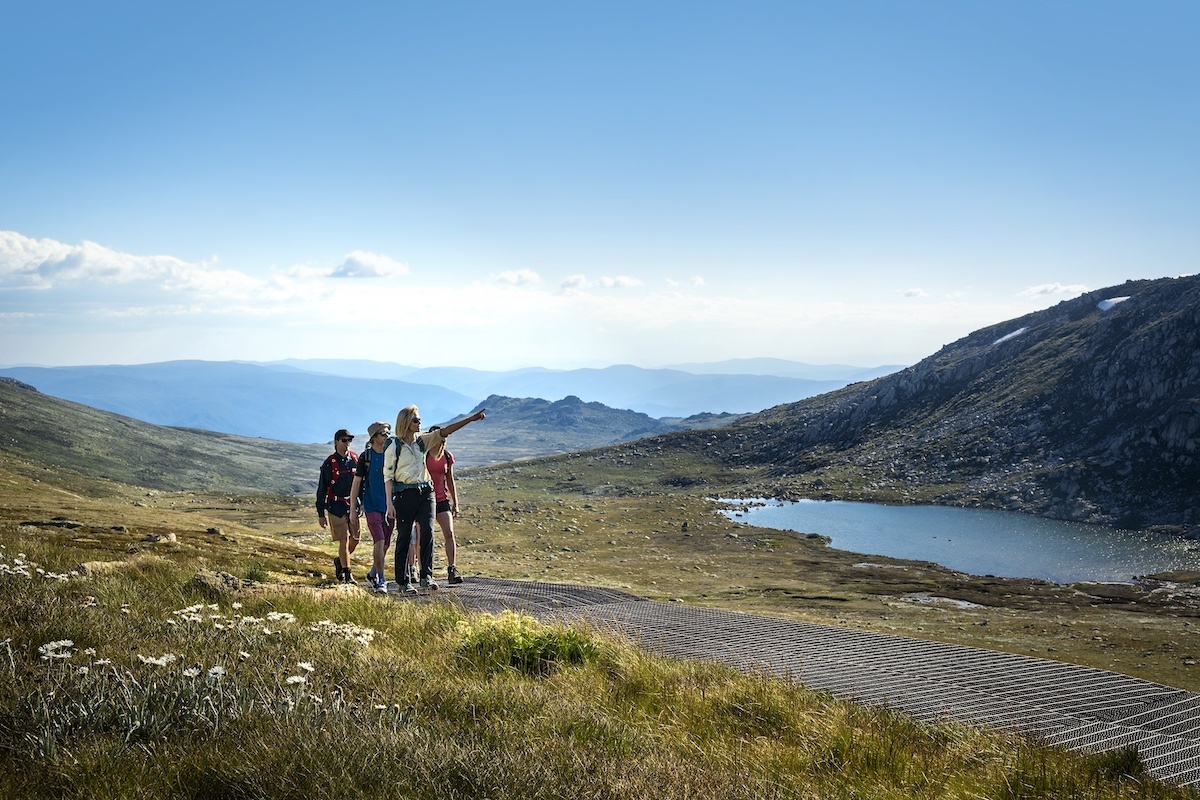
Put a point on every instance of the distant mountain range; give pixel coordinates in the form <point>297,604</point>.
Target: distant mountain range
<point>242,399</point>
<point>307,400</point>
<point>50,432</point>
<point>1086,411</point>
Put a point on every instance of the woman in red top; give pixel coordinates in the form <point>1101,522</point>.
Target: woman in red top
<point>440,464</point>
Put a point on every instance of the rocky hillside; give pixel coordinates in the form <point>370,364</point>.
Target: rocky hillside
<point>525,427</point>
<point>1088,411</point>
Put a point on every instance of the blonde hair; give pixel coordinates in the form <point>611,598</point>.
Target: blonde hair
<point>404,420</point>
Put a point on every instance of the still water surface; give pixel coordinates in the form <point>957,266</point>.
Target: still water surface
<point>979,542</point>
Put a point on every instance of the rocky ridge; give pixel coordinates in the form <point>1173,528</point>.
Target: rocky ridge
<point>1086,411</point>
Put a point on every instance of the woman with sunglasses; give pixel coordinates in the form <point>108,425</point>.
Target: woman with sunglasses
<point>410,489</point>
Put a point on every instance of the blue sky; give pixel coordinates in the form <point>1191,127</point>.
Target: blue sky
<point>569,184</point>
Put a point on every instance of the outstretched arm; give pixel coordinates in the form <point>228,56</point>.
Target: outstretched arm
<point>446,430</point>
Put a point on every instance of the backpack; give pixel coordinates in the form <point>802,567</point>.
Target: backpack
<point>340,480</point>
<point>364,467</point>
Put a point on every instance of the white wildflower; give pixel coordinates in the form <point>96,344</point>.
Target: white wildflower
<point>294,679</point>
<point>161,661</point>
<point>306,666</point>
<point>216,672</point>
<point>191,672</point>
<point>58,649</point>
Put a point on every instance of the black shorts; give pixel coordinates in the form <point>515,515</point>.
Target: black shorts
<point>443,506</point>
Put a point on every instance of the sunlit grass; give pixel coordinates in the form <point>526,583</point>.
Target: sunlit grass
<point>141,682</point>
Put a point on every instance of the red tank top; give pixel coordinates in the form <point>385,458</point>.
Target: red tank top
<point>438,467</point>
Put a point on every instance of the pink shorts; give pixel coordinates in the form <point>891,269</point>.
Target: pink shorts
<point>380,527</point>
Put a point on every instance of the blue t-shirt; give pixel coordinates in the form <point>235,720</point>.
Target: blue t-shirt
<point>374,497</point>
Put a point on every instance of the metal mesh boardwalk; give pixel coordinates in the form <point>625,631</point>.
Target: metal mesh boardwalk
<point>1078,707</point>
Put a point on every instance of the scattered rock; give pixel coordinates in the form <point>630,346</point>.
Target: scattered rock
<point>223,582</point>
<point>160,538</point>
<point>92,568</point>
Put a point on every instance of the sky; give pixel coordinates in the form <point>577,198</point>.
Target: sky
<point>498,185</point>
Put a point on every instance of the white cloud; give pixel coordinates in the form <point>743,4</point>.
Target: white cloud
<point>1044,289</point>
<point>518,277</point>
<point>575,283</point>
<point>121,307</point>
<point>914,292</point>
<point>361,264</point>
<point>581,282</point>
<point>697,280</point>
<point>45,263</point>
<point>90,279</point>
<point>617,281</point>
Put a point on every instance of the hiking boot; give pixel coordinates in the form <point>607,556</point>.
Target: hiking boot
<point>429,583</point>
<point>381,585</point>
<point>337,568</point>
<point>409,588</point>
<point>412,576</point>
<point>452,575</point>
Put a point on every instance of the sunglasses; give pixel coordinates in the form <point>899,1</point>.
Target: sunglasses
<point>345,440</point>
<point>416,420</point>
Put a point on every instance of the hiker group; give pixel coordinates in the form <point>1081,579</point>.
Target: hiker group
<point>400,482</point>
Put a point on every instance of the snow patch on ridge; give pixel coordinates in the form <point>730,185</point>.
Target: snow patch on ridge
<point>1105,305</point>
<point>1012,335</point>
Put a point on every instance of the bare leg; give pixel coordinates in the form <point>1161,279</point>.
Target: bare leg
<point>445,521</point>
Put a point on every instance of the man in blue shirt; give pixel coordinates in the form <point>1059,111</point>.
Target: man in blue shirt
<point>369,496</point>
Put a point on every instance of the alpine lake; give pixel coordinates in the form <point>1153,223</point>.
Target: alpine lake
<point>976,541</point>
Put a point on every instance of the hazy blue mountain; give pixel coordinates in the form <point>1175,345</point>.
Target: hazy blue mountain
<point>306,400</point>
<point>787,369</point>
<point>349,368</point>
<point>52,432</point>
<point>656,392</point>
<point>243,399</point>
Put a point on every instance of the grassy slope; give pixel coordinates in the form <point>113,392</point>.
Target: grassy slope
<point>270,691</point>
<point>51,431</point>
